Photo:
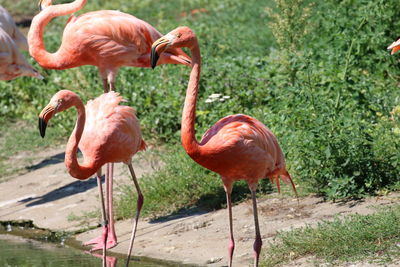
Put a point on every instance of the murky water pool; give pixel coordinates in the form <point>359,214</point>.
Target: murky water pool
<point>19,252</point>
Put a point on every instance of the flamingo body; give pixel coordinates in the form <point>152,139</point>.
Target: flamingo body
<point>240,136</point>
<point>111,132</point>
<point>107,39</point>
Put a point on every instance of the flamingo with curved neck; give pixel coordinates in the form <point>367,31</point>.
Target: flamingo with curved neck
<point>105,132</point>
<point>107,39</point>
<point>237,147</point>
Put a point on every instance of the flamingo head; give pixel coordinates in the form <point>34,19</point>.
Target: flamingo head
<point>61,101</point>
<point>395,46</point>
<point>44,3</point>
<point>176,39</point>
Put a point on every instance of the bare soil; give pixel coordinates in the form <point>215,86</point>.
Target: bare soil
<point>47,195</point>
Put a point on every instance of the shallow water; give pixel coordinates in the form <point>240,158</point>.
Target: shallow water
<point>15,251</point>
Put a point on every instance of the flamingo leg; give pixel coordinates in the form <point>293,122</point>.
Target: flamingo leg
<point>111,235</point>
<point>231,246</point>
<point>258,242</point>
<point>104,216</point>
<point>138,209</point>
<point>112,240</point>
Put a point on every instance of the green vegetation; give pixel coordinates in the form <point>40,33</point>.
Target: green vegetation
<point>326,87</point>
<point>341,240</point>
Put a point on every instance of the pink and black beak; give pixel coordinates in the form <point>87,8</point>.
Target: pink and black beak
<point>44,117</point>
<point>395,46</point>
<point>157,49</point>
<point>162,53</point>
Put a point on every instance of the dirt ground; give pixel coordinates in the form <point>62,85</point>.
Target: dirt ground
<point>47,195</point>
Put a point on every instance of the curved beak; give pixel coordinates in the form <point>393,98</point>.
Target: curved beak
<point>44,117</point>
<point>157,49</point>
<point>395,46</point>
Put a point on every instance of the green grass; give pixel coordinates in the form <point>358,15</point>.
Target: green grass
<point>368,238</point>
<point>19,141</point>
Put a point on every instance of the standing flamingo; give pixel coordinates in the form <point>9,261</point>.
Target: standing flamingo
<point>8,25</point>
<point>105,132</point>
<point>12,62</point>
<point>106,39</point>
<point>237,147</point>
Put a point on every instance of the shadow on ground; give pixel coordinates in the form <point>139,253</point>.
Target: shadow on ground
<point>57,158</point>
<point>62,192</point>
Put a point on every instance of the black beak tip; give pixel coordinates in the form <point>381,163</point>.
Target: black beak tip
<point>154,57</point>
<point>42,127</point>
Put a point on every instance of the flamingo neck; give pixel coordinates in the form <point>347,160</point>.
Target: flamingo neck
<point>71,161</point>
<point>37,48</point>
<point>188,132</point>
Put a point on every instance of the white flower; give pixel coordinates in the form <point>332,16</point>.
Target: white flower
<point>214,96</point>
<point>208,100</point>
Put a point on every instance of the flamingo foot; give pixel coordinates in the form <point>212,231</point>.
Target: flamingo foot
<point>99,241</point>
<point>111,242</point>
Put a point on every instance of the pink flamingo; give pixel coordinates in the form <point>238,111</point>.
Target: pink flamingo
<point>237,147</point>
<point>12,62</point>
<point>104,132</point>
<point>106,39</point>
<point>8,25</point>
<point>395,46</point>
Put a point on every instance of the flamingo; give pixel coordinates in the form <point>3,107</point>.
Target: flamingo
<point>105,132</point>
<point>106,39</point>
<point>8,25</point>
<point>395,46</point>
<point>12,62</point>
<point>237,147</point>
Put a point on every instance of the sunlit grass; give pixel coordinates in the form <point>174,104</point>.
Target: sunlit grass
<point>368,238</point>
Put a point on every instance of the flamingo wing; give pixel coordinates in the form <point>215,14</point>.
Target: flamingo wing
<point>241,147</point>
<point>112,35</point>
<point>111,130</point>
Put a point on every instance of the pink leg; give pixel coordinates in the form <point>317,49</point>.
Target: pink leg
<point>111,236</point>
<point>104,216</point>
<point>139,204</point>
<point>258,242</point>
<point>231,247</point>
<point>112,240</point>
